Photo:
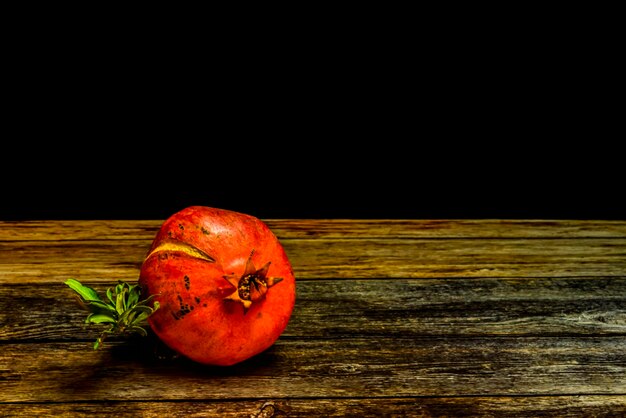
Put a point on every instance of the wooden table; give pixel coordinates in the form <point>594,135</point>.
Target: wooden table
<point>394,318</point>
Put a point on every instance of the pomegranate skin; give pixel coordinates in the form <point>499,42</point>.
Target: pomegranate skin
<point>193,266</point>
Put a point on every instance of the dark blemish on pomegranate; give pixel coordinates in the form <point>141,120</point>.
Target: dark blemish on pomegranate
<point>169,234</point>
<point>259,315</point>
<point>184,308</point>
<point>204,305</point>
<point>187,284</point>
<point>181,227</point>
<point>197,299</point>
<point>205,231</point>
<point>181,313</point>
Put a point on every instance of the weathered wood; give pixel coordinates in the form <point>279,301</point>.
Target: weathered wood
<point>416,307</point>
<point>393,318</point>
<point>344,367</point>
<point>426,407</point>
<point>59,230</point>
<point>106,260</point>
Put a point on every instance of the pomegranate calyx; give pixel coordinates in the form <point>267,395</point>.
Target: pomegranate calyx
<point>252,285</point>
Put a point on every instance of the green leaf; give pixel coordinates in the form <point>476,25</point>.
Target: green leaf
<point>110,295</point>
<point>139,313</point>
<point>143,309</point>
<point>100,319</point>
<point>122,310</point>
<point>100,306</point>
<point>133,295</point>
<point>144,313</point>
<point>138,330</point>
<point>85,292</point>
<point>119,288</point>
<point>141,317</point>
<point>119,303</point>
<point>147,300</point>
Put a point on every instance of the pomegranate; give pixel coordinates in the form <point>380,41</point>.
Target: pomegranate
<point>224,285</point>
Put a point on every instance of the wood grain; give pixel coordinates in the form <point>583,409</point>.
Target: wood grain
<point>58,230</point>
<point>110,260</point>
<point>415,307</point>
<point>393,318</point>
<point>345,367</point>
<point>417,407</point>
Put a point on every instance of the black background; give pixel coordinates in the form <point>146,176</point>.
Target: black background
<point>365,162</point>
<point>381,184</point>
<point>356,158</point>
<point>483,121</point>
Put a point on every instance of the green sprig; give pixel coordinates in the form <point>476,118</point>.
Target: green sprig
<point>122,310</point>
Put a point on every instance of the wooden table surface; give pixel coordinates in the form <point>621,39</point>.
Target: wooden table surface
<point>394,318</point>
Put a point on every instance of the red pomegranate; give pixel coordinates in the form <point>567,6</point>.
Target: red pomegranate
<point>225,286</point>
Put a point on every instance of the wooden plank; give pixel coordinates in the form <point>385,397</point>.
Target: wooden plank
<point>339,368</point>
<point>60,230</point>
<point>393,318</point>
<point>51,262</point>
<point>505,406</point>
<point>445,228</point>
<point>356,308</point>
<point>72,230</point>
